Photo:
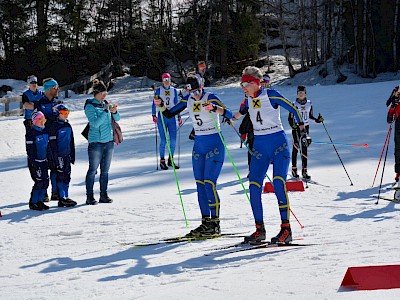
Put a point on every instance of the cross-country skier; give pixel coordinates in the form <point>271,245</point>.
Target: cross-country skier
<point>304,106</point>
<point>170,97</point>
<point>270,145</point>
<point>393,116</point>
<point>208,150</point>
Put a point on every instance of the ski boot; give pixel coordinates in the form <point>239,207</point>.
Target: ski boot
<point>257,236</point>
<point>170,163</point>
<point>396,178</point>
<point>163,165</point>
<point>66,202</point>
<point>104,198</point>
<point>208,228</point>
<point>305,174</point>
<point>294,172</point>
<point>285,235</point>
<point>90,200</point>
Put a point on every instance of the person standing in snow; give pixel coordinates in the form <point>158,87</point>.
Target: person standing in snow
<point>270,146</point>
<point>393,116</point>
<point>47,105</point>
<point>31,95</point>
<point>37,140</point>
<point>101,141</point>
<point>208,151</point>
<point>170,97</point>
<point>62,146</point>
<point>304,106</point>
<point>246,127</point>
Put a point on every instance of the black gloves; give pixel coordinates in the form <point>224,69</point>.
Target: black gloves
<point>319,119</point>
<point>305,138</point>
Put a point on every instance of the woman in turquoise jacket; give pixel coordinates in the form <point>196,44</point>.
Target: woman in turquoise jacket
<point>101,141</point>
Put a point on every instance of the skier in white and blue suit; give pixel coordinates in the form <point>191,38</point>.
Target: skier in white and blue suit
<point>270,146</point>
<point>170,97</point>
<point>208,150</point>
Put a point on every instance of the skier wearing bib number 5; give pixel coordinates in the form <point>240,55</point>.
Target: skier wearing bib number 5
<point>270,145</point>
<point>170,97</point>
<point>208,151</point>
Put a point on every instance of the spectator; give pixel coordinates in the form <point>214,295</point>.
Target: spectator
<point>101,141</point>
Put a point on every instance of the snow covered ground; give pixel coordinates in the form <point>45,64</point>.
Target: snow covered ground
<point>79,253</point>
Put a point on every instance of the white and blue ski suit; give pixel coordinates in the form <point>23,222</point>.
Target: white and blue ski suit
<point>170,97</point>
<point>208,149</point>
<point>270,146</point>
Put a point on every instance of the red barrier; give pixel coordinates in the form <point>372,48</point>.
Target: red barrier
<point>372,277</point>
<point>291,186</point>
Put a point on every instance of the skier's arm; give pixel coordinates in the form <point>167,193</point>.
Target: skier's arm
<point>277,99</point>
<point>219,107</point>
<point>177,109</point>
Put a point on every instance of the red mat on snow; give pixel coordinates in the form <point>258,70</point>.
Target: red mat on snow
<point>372,278</point>
<point>291,186</point>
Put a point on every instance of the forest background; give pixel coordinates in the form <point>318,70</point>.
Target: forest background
<point>70,39</point>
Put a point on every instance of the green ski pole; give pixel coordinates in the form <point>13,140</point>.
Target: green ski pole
<point>173,166</point>
<point>229,155</point>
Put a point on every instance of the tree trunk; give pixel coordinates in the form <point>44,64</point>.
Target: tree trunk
<point>364,70</point>
<point>224,25</point>
<point>354,11</point>
<point>210,14</point>
<point>394,42</point>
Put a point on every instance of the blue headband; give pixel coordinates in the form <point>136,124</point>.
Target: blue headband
<point>49,84</point>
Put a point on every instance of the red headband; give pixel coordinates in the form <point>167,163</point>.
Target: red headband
<point>249,78</point>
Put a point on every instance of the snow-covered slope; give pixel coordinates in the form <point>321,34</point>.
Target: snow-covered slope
<point>78,253</point>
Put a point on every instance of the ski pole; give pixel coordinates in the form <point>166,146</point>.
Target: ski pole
<point>173,165</point>
<point>300,150</point>
<point>342,144</point>
<point>241,140</point>
<point>383,169</point>
<point>183,122</point>
<point>229,155</point>
<point>351,183</point>
<point>383,149</point>
<point>155,125</point>
<point>301,225</point>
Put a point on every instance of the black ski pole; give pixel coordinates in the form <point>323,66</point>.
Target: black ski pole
<point>351,183</point>
<point>155,125</point>
<point>383,168</point>
<point>301,151</point>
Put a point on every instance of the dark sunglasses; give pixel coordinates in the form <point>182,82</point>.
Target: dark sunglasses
<point>33,82</point>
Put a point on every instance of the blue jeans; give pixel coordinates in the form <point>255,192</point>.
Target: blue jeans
<point>99,154</point>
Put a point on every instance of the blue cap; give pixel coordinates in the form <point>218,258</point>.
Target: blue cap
<point>49,84</point>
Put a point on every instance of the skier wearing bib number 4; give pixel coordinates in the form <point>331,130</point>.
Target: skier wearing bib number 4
<point>270,145</point>
<point>304,106</point>
<point>208,151</point>
<point>170,97</point>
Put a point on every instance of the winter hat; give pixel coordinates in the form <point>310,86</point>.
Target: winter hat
<point>49,84</point>
<point>98,87</point>
<point>301,88</point>
<point>166,75</point>
<point>266,78</point>
<point>36,116</point>
<point>32,79</point>
<point>192,83</point>
<point>61,108</point>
